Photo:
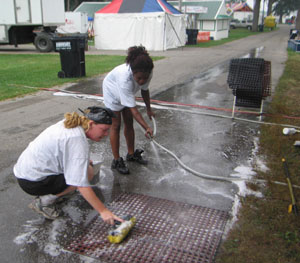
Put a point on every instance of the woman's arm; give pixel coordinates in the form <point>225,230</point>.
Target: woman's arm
<point>139,118</point>
<point>146,98</point>
<point>90,196</point>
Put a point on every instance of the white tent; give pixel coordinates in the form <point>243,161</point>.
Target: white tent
<point>157,31</point>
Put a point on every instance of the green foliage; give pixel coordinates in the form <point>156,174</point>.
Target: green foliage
<point>284,7</point>
<point>292,237</point>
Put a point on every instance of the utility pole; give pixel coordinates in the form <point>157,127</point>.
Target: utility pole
<point>68,5</point>
<point>179,5</point>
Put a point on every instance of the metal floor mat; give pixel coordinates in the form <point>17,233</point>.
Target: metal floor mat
<point>165,231</point>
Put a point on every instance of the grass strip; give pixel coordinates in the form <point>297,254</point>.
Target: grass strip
<point>265,231</point>
<point>234,34</point>
<point>25,73</point>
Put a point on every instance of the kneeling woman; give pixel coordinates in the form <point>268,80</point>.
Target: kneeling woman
<point>57,162</point>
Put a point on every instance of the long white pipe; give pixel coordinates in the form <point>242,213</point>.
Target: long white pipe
<point>161,106</point>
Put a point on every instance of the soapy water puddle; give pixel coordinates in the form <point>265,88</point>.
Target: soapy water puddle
<point>210,145</point>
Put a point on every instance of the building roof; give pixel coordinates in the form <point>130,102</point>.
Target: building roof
<point>241,7</point>
<point>205,10</point>
<point>90,7</point>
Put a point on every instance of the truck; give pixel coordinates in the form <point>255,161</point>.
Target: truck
<point>75,23</point>
<point>30,21</point>
<point>235,23</point>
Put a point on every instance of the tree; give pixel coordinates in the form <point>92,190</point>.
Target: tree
<point>284,7</point>
<point>281,8</point>
<point>298,19</point>
<point>256,15</point>
<point>270,7</point>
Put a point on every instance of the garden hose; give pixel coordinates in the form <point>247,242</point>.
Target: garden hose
<point>79,95</point>
<point>207,176</point>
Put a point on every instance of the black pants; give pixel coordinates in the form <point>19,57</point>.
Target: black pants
<point>53,184</point>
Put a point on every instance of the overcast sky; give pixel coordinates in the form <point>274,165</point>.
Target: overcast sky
<point>250,3</point>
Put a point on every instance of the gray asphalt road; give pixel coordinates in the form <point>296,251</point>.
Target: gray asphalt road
<point>27,238</point>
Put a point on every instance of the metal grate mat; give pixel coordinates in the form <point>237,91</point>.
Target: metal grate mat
<point>165,231</point>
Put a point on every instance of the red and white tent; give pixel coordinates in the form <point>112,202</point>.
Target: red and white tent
<point>241,7</point>
<point>155,24</point>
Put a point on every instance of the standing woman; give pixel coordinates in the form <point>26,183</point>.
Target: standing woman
<point>119,89</point>
<point>57,162</point>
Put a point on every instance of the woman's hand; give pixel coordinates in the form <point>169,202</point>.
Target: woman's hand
<point>149,133</point>
<point>150,114</point>
<point>109,218</point>
<point>89,195</point>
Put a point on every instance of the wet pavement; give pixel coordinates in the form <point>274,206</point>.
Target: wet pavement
<point>210,145</point>
<point>207,144</point>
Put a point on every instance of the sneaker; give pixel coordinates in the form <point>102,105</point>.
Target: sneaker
<point>136,157</point>
<point>48,211</point>
<point>120,166</point>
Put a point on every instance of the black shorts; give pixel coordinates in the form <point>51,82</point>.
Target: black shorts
<point>53,184</point>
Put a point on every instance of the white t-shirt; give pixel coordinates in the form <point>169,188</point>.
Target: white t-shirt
<point>57,150</point>
<point>119,88</point>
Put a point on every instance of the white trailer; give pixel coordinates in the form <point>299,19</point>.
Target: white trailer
<point>76,23</point>
<point>30,21</point>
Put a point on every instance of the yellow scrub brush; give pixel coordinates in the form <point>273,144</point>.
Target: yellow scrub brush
<point>121,229</point>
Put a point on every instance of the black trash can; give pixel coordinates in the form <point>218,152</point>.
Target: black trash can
<point>72,57</point>
<point>261,28</point>
<point>192,36</point>
<point>293,33</point>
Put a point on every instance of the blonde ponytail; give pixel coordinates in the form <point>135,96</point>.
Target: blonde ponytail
<point>73,120</point>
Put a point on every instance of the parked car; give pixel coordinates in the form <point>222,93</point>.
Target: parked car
<point>235,23</point>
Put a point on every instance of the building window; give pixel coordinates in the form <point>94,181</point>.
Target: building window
<point>208,25</point>
<point>222,25</point>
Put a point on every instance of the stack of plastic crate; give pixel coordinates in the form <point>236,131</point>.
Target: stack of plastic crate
<point>249,79</point>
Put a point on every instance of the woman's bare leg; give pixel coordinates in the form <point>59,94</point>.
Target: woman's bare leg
<point>115,135</point>
<point>73,188</point>
<point>128,130</point>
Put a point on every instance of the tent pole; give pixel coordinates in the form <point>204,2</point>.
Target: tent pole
<point>175,31</point>
<point>165,38</point>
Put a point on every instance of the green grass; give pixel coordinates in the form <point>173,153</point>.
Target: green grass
<point>20,72</point>
<point>234,34</point>
<point>24,74</point>
<point>91,42</point>
<point>265,231</point>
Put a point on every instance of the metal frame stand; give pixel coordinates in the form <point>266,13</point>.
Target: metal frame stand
<point>233,107</point>
<point>260,111</point>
